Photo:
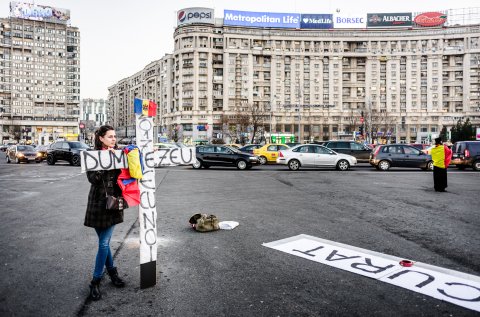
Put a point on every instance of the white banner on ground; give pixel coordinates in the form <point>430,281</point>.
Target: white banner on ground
<point>448,285</point>
<point>174,156</point>
<point>102,160</point>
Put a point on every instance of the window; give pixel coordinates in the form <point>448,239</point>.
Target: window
<point>356,146</point>
<point>322,150</point>
<point>411,150</point>
<point>222,149</point>
<point>272,148</point>
<point>206,149</point>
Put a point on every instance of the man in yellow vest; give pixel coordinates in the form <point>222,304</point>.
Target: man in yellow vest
<point>441,156</point>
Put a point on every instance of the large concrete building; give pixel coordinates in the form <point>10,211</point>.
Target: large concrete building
<point>407,82</point>
<point>39,75</point>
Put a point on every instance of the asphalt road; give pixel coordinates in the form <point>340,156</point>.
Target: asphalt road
<point>47,254</point>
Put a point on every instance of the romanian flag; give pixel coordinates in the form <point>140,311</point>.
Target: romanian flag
<point>145,107</point>
<point>441,156</point>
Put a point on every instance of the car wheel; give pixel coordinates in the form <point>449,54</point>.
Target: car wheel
<point>17,160</point>
<point>263,160</point>
<point>8,159</point>
<point>343,165</point>
<point>50,160</point>
<point>294,165</point>
<point>461,167</point>
<point>241,165</point>
<point>197,164</point>
<point>476,166</point>
<point>384,165</point>
<point>76,160</point>
<point>430,166</point>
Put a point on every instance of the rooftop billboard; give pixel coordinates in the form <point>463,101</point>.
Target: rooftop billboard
<point>427,19</point>
<point>195,15</point>
<point>316,21</point>
<point>37,12</point>
<point>389,19</point>
<point>261,19</point>
<point>350,21</point>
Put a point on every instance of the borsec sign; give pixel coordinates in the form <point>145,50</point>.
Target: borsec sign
<point>430,19</point>
<point>195,15</point>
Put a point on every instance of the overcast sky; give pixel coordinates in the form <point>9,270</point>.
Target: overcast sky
<point>120,37</point>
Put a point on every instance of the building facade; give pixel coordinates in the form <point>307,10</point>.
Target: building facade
<point>39,80</point>
<point>404,84</point>
<point>94,110</point>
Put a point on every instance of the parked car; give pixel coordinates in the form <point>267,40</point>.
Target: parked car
<point>466,154</point>
<point>269,152</point>
<point>66,151</point>
<point>221,155</point>
<point>4,147</point>
<point>41,152</point>
<point>21,153</point>
<point>359,150</point>
<point>249,148</point>
<point>399,155</point>
<point>313,155</point>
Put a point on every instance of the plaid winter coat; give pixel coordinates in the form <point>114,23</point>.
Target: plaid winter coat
<point>97,216</point>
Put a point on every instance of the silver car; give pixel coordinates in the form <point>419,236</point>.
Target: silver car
<point>314,155</point>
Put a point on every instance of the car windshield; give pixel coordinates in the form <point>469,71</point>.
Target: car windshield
<point>25,148</point>
<point>79,145</point>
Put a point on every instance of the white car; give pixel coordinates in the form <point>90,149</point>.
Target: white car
<point>314,155</point>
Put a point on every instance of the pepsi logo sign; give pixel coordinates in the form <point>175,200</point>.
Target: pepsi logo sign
<point>430,19</point>
<point>195,15</point>
<point>181,16</point>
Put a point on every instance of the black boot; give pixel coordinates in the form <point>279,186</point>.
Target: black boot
<point>95,289</point>
<point>116,280</point>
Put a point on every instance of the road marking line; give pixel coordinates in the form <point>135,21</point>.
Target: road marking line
<point>448,285</point>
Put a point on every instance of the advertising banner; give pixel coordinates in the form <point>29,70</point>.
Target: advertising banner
<point>316,21</point>
<point>36,12</point>
<point>343,21</point>
<point>195,15</point>
<point>261,19</point>
<point>428,19</point>
<point>389,19</point>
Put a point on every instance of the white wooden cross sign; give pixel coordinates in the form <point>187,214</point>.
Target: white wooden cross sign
<point>147,211</point>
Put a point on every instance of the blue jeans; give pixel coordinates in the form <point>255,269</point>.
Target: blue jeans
<point>104,255</point>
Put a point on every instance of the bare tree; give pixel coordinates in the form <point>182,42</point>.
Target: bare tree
<point>257,114</point>
<point>381,121</point>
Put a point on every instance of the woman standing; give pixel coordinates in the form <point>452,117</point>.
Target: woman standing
<point>441,156</point>
<point>98,217</point>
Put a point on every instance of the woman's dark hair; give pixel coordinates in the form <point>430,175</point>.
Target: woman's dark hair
<point>101,133</point>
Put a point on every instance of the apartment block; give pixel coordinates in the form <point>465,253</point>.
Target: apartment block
<point>406,83</point>
<point>39,80</point>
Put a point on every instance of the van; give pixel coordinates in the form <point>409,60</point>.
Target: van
<point>466,154</point>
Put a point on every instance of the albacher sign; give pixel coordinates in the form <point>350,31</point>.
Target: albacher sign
<point>430,19</point>
<point>389,19</point>
<point>195,15</point>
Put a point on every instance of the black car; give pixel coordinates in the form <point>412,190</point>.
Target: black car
<point>66,151</point>
<point>360,151</point>
<point>399,155</point>
<point>249,148</point>
<point>220,155</point>
<point>466,154</point>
